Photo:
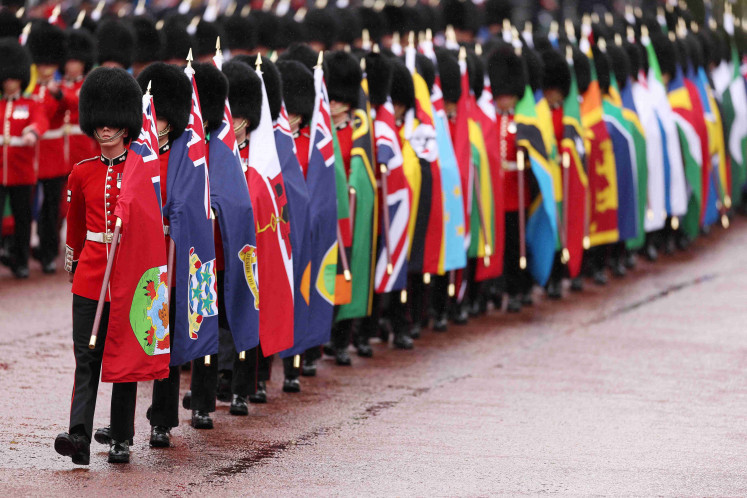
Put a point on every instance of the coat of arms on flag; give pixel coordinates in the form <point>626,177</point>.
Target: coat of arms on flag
<point>149,313</point>
<point>203,292</point>
<point>248,255</point>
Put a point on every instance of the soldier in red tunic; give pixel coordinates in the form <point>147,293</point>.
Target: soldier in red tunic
<point>111,112</point>
<point>507,81</point>
<point>46,42</point>
<point>298,95</point>
<point>24,122</point>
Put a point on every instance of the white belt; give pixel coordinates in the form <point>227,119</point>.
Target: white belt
<point>101,238</point>
<point>75,130</point>
<point>14,141</point>
<point>510,166</point>
<point>52,134</point>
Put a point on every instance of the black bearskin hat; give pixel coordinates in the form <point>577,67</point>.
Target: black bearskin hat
<point>427,70</point>
<point>147,40</point>
<point>267,25</point>
<point>496,11</point>
<point>15,62</point>
<point>298,89</point>
<point>241,33</point>
<point>176,40</point>
<point>10,25</point>
<point>212,87</point>
<point>81,47</point>
<point>321,26</point>
<point>114,40</point>
<point>290,31</point>
<point>46,42</point>
<point>111,97</point>
<point>448,70</point>
<point>476,72</point>
<point>462,14</point>
<point>350,25</point>
<point>557,72</point>
<point>395,19</point>
<point>343,76</point>
<point>244,92</point>
<point>695,50</point>
<point>634,58</point>
<point>373,21</point>
<point>271,77</point>
<point>379,75</point>
<point>506,72</point>
<point>582,67</point>
<point>403,89</point>
<point>535,68</point>
<point>665,53</point>
<point>602,65</point>
<point>620,64</point>
<point>300,52</point>
<point>206,34</point>
<point>172,94</point>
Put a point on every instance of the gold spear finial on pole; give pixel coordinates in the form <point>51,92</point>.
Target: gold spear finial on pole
<point>319,60</point>
<point>189,59</point>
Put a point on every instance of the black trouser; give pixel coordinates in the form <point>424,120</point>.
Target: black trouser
<point>48,226</point>
<point>559,270</point>
<point>229,362</point>
<point>518,281</point>
<point>596,258</point>
<point>341,334</point>
<point>417,299</point>
<point>20,206</point>
<point>87,372</point>
<point>258,368</point>
<point>440,294</point>
<point>204,384</point>
<point>395,310</point>
<point>369,325</point>
<point>289,370</point>
<point>165,400</point>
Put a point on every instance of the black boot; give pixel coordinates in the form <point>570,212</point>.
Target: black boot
<point>103,436</point>
<point>441,324</point>
<point>600,277</point>
<point>514,304</point>
<point>342,358</point>
<point>554,290</point>
<point>291,385</point>
<point>402,340</point>
<point>160,437</point>
<point>223,393</point>
<point>238,406</point>
<point>201,420</point>
<point>577,284</point>
<point>187,400</point>
<point>119,452</point>
<point>76,446</point>
<point>362,346</point>
<point>261,395</point>
<point>308,367</point>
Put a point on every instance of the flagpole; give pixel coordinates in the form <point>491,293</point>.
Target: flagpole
<point>385,207</point>
<point>343,255</point>
<point>565,256</point>
<point>353,195</point>
<point>522,215</point>
<point>105,285</point>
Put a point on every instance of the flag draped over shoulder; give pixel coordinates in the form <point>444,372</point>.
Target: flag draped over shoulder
<point>191,229</point>
<point>323,212</point>
<point>485,116</point>
<point>630,114</point>
<point>734,104</point>
<point>365,226</point>
<point>623,148</point>
<point>229,196</point>
<point>138,340</point>
<point>694,143</point>
<point>572,146</point>
<point>389,153</point>
<point>343,282</point>
<point>541,229</point>
<point>272,229</point>
<point>298,211</point>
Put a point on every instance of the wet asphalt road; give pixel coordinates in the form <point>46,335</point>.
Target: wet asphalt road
<point>637,388</point>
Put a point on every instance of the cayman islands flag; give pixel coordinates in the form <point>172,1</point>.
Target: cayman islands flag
<point>298,211</point>
<point>191,229</point>
<point>320,180</point>
<point>137,343</point>
<point>394,243</point>
<point>273,229</point>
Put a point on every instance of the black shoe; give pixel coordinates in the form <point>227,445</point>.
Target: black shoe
<point>201,420</point>
<point>618,269</point>
<point>527,300</point>
<point>629,261</point>
<point>75,446</point>
<point>514,304</point>
<point>238,406</point>
<point>308,369</point>
<point>415,332</point>
<point>683,242</point>
<point>223,392</point>
<point>402,341</point>
<point>364,350</point>
<point>441,324</point>
<point>261,395</point>
<point>328,349</point>
<point>49,268</point>
<point>291,386</point>
<point>651,253</point>
<point>21,272</point>
<point>160,437</point>
<point>36,253</point>
<point>554,290</point>
<point>187,400</point>
<point>461,317</point>
<point>577,284</point>
<point>119,452</point>
<point>669,246</point>
<point>600,277</point>
<point>103,436</point>
<point>342,358</point>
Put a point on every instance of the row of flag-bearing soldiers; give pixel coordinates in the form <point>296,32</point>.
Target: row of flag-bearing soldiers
<point>424,112</point>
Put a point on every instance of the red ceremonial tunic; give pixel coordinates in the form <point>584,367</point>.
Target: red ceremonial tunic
<point>507,146</point>
<point>20,114</point>
<point>92,192</point>
<point>345,139</point>
<point>303,140</point>
<point>50,149</point>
